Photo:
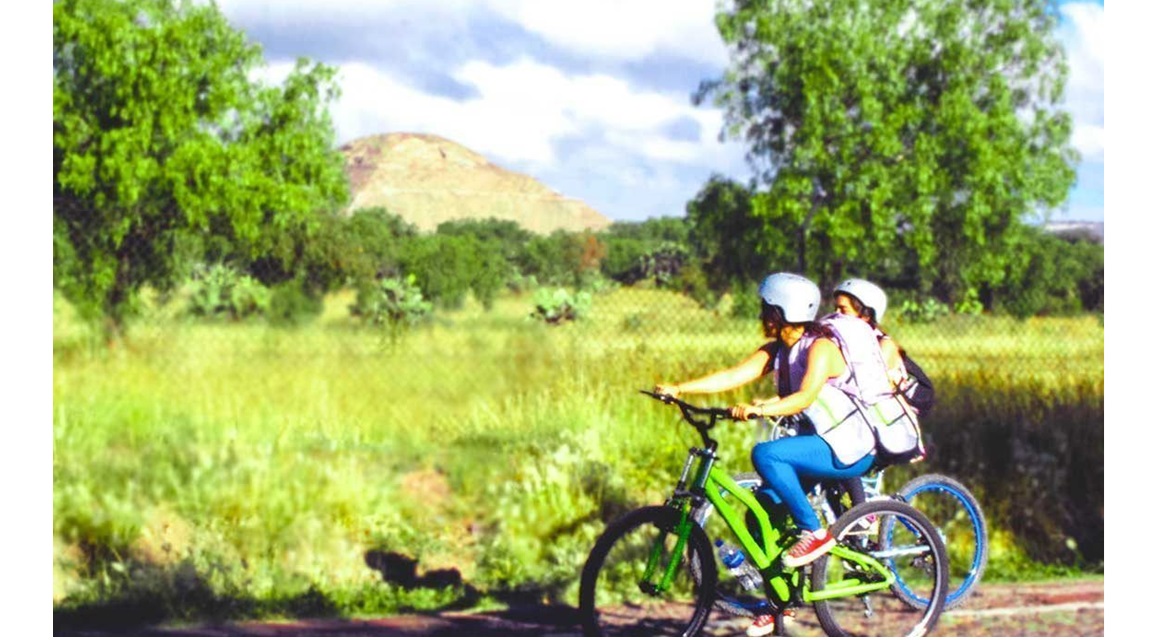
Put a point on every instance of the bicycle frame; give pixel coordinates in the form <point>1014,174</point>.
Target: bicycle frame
<point>655,559</point>
<point>713,484</point>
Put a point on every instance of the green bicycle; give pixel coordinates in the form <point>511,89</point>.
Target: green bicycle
<point>944,500</point>
<point>655,571</point>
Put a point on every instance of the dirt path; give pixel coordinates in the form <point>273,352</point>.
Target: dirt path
<point>1042,609</point>
<point>1065,608</point>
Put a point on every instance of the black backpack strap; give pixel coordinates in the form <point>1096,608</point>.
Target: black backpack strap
<point>783,366</point>
<point>922,391</point>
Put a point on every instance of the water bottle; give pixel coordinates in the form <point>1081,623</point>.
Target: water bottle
<point>734,560</point>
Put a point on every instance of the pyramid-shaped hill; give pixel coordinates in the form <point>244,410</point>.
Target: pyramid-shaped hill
<point>426,180</point>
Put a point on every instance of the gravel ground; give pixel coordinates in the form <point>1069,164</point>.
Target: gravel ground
<point>1063,608</point>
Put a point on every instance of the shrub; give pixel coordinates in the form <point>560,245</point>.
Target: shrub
<point>518,283</point>
<point>922,311</point>
<point>291,304</point>
<point>664,262</point>
<point>970,303</point>
<point>219,290</point>
<point>449,266</point>
<point>745,301</point>
<point>249,297</point>
<point>692,280</point>
<point>556,306</point>
<point>393,303</point>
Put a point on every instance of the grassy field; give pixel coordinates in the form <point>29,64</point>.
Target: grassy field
<point>239,470</point>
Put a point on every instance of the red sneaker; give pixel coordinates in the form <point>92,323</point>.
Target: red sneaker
<point>808,548</point>
<point>763,625</point>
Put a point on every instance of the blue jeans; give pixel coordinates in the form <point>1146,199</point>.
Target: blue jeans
<point>792,466</point>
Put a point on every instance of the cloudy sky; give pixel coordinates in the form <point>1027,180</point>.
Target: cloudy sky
<point>590,97</point>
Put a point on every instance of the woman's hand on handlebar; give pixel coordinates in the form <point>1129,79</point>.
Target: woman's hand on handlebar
<point>746,411</point>
<point>667,390</point>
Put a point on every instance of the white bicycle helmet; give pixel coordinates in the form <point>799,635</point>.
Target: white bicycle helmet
<point>867,293</point>
<point>796,296</point>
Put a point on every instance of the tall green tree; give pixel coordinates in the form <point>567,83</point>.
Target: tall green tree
<point>924,129</point>
<point>563,258</point>
<point>506,237</point>
<point>733,243</point>
<point>447,266</point>
<point>1049,274</point>
<point>161,135</point>
<point>652,231</point>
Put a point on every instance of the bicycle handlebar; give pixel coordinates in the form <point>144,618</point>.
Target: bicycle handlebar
<point>702,418</point>
<point>717,413</point>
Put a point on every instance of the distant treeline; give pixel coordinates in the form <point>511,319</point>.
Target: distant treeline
<point>1047,274</point>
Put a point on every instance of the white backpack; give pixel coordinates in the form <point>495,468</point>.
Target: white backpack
<point>892,420</point>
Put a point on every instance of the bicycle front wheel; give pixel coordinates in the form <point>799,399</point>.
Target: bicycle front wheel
<point>637,581</point>
<point>908,544</point>
<point>954,510</point>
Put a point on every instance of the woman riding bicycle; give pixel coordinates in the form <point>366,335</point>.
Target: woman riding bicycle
<point>865,300</point>
<point>807,364</point>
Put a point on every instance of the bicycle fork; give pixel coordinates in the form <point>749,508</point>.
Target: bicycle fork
<point>663,561</point>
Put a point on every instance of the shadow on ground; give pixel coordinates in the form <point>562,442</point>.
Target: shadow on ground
<point>154,600</point>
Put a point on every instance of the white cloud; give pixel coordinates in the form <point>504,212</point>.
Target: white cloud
<point>617,29</point>
<point>521,111</point>
<point>1088,139</point>
<point>624,29</point>
<point>312,10</point>
<point>1083,34</point>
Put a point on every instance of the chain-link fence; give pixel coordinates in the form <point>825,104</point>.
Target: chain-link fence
<point>239,439</point>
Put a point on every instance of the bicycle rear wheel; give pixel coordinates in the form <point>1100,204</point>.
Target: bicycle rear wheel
<point>954,510</point>
<point>628,586</point>
<point>909,545</point>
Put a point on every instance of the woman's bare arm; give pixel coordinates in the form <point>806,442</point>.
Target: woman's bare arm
<point>890,351</point>
<point>751,368</point>
<point>824,361</point>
